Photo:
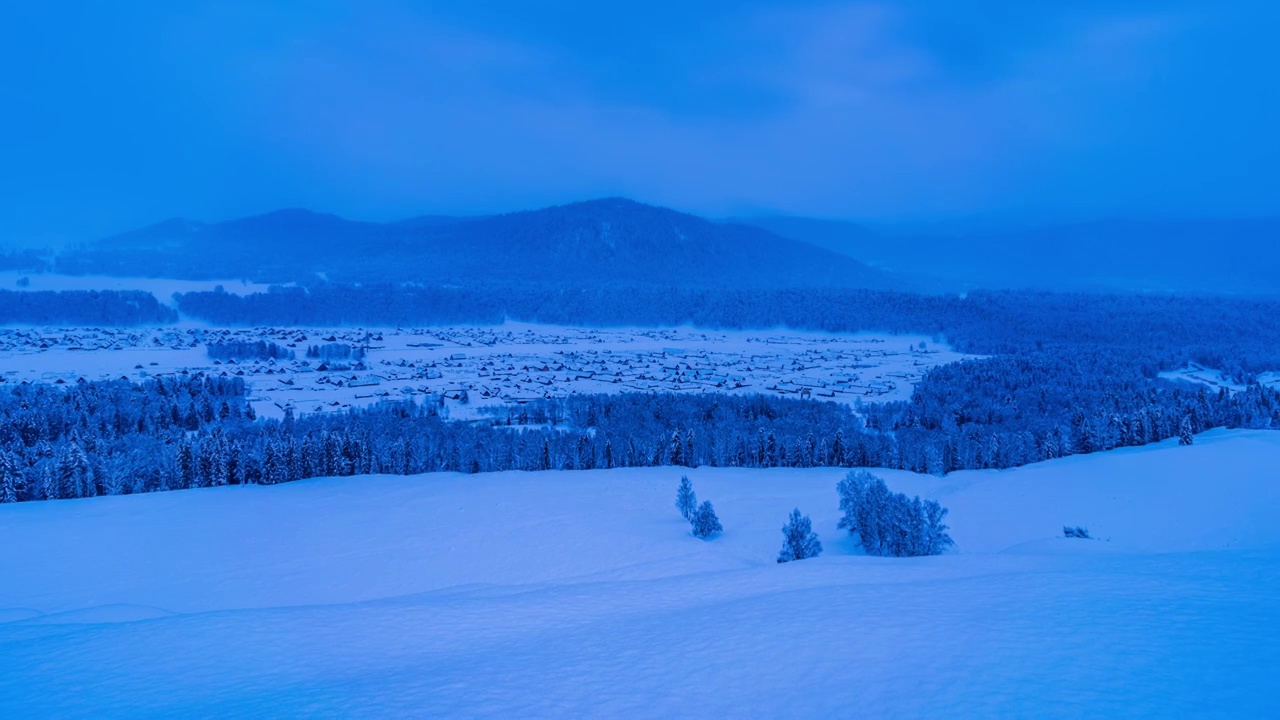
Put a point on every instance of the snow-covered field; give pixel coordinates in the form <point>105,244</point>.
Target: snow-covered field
<point>1215,379</point>
<point>582,594</point>
<point>506,364</point>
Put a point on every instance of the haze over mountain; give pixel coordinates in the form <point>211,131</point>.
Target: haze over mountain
<point>1223,255</point>
<point>608,241</point>
<point>906,109</point>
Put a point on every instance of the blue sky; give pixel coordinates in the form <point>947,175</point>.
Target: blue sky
<point>119,114</point>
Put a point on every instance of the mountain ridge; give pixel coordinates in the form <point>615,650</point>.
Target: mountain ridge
<point>587,243</point>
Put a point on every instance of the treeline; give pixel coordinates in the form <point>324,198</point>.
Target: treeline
<point>331,305</point>
<point>335,351</point>
<point>1239,336</point>
<point>118,437</point>
<point>105,437</point>
<point>82,307</point>
<point>1008,411</point>
<point>972,429</point>
<point>30,260</point>
<point>248,350</point>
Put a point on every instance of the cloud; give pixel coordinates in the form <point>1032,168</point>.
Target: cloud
<point>862,109</point>
<point>880,110</point>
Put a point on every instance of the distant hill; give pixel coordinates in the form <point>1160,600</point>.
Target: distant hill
<point>599,242</point>
<point>1230,256</point>
<point>619,240</point>
<point>281,246</point>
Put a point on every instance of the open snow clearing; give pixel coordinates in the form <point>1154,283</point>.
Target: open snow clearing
<point>584,594</point>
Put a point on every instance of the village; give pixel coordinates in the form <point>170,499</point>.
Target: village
<point>464,369</point>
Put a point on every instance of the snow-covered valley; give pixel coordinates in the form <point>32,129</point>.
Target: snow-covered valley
<point>841,359</point>
<point>583,594</point>
<point>471,367</point>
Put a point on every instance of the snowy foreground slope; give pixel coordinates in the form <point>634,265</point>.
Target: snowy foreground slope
<point>583,594</point>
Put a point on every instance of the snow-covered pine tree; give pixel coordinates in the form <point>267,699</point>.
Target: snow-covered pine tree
<point>933,460</point>
<point>48,481</point>
<point>231,469</point>
<point>837,448</point>
<point>686,499</point>
<point>74,476</point>
<point>799,540</point>
<point>291,454</point>
<point>406,457</point>
<point>332,455</point>
<point>10,481</point>
<point>186,464</point>
<point>271,461</point>
<point>1185,434</point>
<point>705,523</point>
<point>676,451</point>
<point>215,461</point>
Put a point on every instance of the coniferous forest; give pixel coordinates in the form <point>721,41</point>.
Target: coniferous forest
<point>116,437</point>
<point>83,307</point>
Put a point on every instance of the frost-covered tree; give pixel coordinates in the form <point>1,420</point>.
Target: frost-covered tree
<point>936,539</point>
<point>115,474</point>
<point>799,539</point>
<point>186,464</point>
<point>74,477</point>
<point>271,462</point>
<point>705,523</point>
<point>837,448</point>
<point>686,499</point>
<point>889,523</point>
<point>875,518</point>
<point>853,490</point>
<point>10,480</point>
<point>1186,435</point>
<point>676,451</point>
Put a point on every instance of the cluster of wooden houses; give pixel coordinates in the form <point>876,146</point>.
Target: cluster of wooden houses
<point>487,366</point>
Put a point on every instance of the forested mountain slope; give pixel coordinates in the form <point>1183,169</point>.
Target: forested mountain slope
<point>586,244</point>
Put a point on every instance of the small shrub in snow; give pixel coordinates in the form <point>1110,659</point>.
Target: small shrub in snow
<point>686,499</point>
<point>889,523</point>
<point>1075,532</point>
<point>705,523</point>
<point>799,539</point>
